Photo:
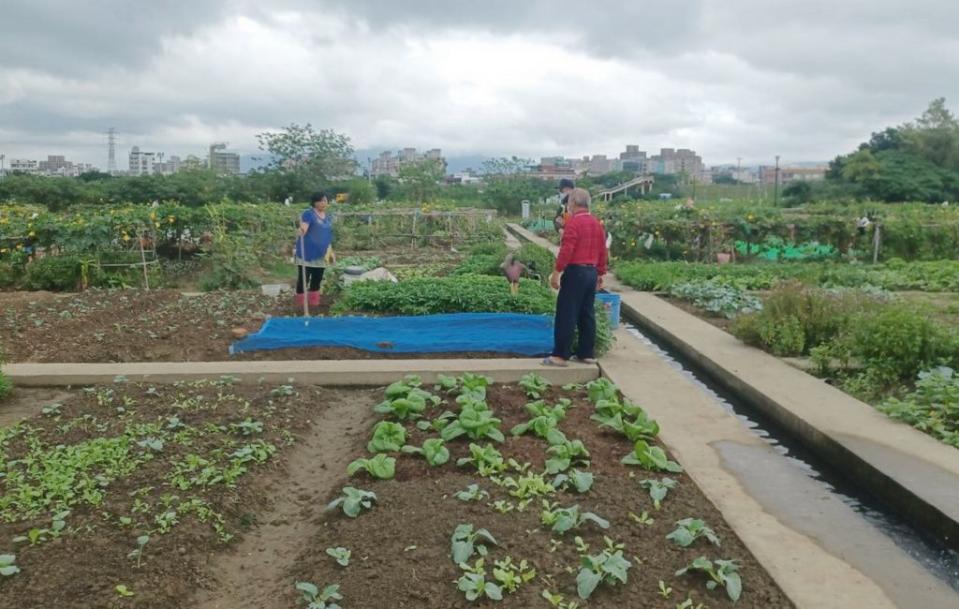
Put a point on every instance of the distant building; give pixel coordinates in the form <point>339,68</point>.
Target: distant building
<point>142,163</point>
<point>24,166</point>
<point>553,168</point>
<point>767,174</point>
<point>223,162</point>
<point>389,164</point>
<point>672,162</point>
<point>634,159</point>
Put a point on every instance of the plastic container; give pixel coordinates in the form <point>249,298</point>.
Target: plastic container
<point>611,305</point>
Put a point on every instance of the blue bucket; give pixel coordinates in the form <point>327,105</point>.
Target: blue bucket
<point>611,304</point>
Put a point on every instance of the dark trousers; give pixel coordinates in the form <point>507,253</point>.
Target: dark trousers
<point>314,275</point>
<point>574,309</point>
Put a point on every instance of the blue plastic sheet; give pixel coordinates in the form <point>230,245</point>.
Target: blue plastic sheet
<point>513,333</point>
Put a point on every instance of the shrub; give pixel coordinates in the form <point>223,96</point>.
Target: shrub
<point>55,273</point>
<point>539,260</point>
<point>933,407</point>
<point>8,275</point>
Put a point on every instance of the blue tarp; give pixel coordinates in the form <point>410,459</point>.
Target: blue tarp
<point>515,333</point>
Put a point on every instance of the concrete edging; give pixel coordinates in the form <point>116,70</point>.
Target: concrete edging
<point>914,473</point>
<point>350,373</point>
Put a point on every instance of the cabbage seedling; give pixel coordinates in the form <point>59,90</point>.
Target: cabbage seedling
<point>353,501</point>
<point>563,455</point>
<point>723,573</point>
<point>581,481</point>
<point>472,493</point>
<point>464,542</point>
<point>534,385</point>
<point>561,520</point>
<point>511,576</point>
<point>486,459</point>
<point>380,466</point>
<point>601,389</point>
<point>8,567</point>
<point>688,530</point>
<point>557,601</point>
<point>341,555</point>
<point>473,583</point>
<point>544,422</point>
<point>433,450</point>
<point>387,437</point>
<point>651,457</point>
<point>609,567</point>
<point>476,421</point>
<point>137,553</point>
<point>658,489</point>
<point>317,599</point>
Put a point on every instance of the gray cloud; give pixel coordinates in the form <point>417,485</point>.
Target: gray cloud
<point>805,79</point>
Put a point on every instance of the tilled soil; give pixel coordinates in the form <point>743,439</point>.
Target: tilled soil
<point>401,548</point>
<point>156,326</point>
<point>81,567</point>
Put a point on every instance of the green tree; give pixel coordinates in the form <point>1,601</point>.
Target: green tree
<point>314,157</point>
<point>508,184</point>
<point>797,193</point>
<point>860,166</point>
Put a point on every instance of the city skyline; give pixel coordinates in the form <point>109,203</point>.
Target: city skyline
<point>534,79</point>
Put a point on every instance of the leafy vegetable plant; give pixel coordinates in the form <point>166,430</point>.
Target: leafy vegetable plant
<point>317,599</point>
<point>561,520</point>
<point>353,501</point>
<point>341,555</point>
<point>472,493</point>
<point>534,385</point>
<point>651,457</point>
<point>511,575</point>
<point>474,585</point>
<point>434,450</point>
<point>387,437</point>
<point>476,421</point>
<point>601,389</point>
<point>658,489</point>
<point>486,459</point>
<point>8,565</point>
<point>544,422</point>
<point>688,530</point>
<point>581,481</point>
<point>566,454</point>
<point>464,542</point>
<point>609,567</point>
<point>723,573</point>
<point>379,466</point>
<point>557,601</point>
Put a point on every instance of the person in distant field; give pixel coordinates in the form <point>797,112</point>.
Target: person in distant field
<point>566,186</point>
<point>314,249</point>
<point>582,261</point>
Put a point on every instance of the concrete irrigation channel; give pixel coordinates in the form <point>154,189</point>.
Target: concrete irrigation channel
<point>809,536</point>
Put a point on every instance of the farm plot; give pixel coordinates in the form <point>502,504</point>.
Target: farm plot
<point>118,496</point>
<point>522,496</point>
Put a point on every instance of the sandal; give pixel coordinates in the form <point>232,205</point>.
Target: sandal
<point>549,361</point>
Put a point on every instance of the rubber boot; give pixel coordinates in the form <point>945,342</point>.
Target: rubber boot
<point>314,298</point>
<point>298,300</point>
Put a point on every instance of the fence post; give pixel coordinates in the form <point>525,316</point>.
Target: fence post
<point>876,238</point>
<point>143,263</point>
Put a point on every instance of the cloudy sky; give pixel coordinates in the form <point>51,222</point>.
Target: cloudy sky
<point>805,79</point>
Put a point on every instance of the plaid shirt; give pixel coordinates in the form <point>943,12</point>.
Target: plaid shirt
<point>584,242</point>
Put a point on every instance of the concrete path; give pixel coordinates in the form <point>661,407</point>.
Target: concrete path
<point>913,472</point>
<point>820,552</point>
<point>319,372</point>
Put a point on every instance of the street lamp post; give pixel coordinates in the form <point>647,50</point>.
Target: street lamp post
<point>776,199</point>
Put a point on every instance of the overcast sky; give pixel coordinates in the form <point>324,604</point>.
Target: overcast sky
<point>806,79</point>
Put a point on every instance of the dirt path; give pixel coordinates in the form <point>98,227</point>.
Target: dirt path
<point>26,402</point>
<point>248,577</point>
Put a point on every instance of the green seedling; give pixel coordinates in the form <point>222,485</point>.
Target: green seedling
<point>566,454</point>
<point>151,443</point>
<point>405,408</point>
<point>519,468</point>
<point>723,573</point>
<point>472,493</point>
<point>658,489</point>
<point>353,501</point>
<point>379,466</point>
<point>464,542</point>
<point>511,576</point>
<point>561,520</point>
<point>475,384</point>
<point>53,410</point>
<point>317,599</point>
<point>476,421</point>
<point>534,385</point>
<point>664,590</point>
<point>690,604</point>
<point>554,545</point>
<point>387,437</point>
<point>558,601</point>
<point>434,450</point>
<point>503,507</point>
<point>247,427</point>
<point>643,518</point>
<point>446,383</point>
<point>601,389</point>
<point>609,567</point>
<point>640,428</point>
<point>341,555</point>
<point>474,585</point>
<point>527,487</point>
<point>581,546</point>
<point>283,391</point>
<point>651,457</point>
<point>486,459</point>
<point>123,591</point>
<point>581,481</point>
<point>8,566</point>
<point>137,553</point>
<point>688,530</point>
<point>544,422</point>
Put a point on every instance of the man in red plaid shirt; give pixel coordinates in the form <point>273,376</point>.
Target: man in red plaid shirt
<point>582,261</point>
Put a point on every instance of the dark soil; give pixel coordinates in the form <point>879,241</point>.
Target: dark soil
<point>156,326</point>
<point>401,547</point>
<point>81,567</point>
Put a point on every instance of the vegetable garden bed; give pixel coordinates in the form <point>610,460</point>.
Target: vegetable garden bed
<point>153,485</point>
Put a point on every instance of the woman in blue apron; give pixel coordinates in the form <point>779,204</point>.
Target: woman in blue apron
<point>314,249</point>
